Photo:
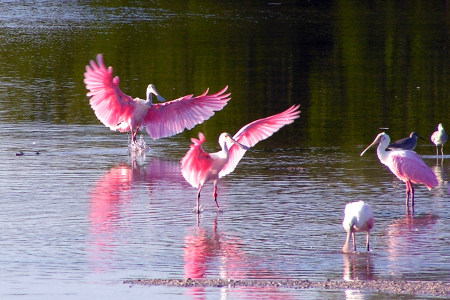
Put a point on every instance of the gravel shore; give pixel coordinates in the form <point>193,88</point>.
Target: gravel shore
<point>394,287</point>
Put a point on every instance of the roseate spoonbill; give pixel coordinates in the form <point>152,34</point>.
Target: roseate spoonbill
<point>199,167</point>
<point>407,165</point>
<point>439,138</point>
<point>408,143</point>
<point>119,111</point>
<point>358,217</point>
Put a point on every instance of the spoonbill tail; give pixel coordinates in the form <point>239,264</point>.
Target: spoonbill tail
<point>121,112</point>
<point>407,165</point>
<point>358,217</point>
<point>408,143</point>
<point>199,167</point>
<point>439,138</point>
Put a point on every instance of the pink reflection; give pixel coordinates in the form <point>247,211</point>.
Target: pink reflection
<point>210,251</point>
<point>110,200</point>
<point>409,238</point>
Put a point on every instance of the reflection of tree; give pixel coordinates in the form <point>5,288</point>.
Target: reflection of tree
<point>207,251</point>
<point>386,67</point>
<point>111,196</point>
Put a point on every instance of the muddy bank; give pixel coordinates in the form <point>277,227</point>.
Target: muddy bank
<point>395,287</point>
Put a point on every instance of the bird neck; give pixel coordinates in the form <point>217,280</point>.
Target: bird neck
<point>381,150</point>
<point>225,152</point>
<point>347,247</point>
<point>149,98</point>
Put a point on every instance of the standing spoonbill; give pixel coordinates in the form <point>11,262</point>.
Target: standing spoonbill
<point>121,112</point>
<point>407,165</point>
<point>439,138</point>
<point>199,167</point>
<point>408,143</point>
<point>358,217</point>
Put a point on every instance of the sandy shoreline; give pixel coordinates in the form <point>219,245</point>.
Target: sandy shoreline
<point>396,287</point>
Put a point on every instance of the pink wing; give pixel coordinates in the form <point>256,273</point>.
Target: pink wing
<point>110,104</point>
<point>196,163</point>
<point>408,165</point>
<point>256,131</point>
<point>169,118</point>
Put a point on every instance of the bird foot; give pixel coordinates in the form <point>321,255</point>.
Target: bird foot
<point>138,145</point>
<point>220,211</point>
<point>198,210</point>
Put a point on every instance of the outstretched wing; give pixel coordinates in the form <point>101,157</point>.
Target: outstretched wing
<point>256,131</point>
<point>196,163</point>
<point>169,118</point>
<point>110,104</point>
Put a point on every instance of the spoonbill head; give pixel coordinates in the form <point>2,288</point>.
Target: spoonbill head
<point>408,143</point>
<point>439,138</point>
<point>123,113</point>
<point>358,217</point>
<point>199,167</point>
<point>407,165</point>
<point>151,90</point>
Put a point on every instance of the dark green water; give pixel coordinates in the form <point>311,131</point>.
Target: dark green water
<point>354,67</point>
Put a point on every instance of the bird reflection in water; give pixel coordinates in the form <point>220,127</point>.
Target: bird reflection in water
<point>409,243</point>
<point>111,198</point>
<point>358,266</point>
<point>210,253</point>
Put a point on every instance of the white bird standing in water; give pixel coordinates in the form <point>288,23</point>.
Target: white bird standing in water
<point>439,138</point>
<point>358,217</point>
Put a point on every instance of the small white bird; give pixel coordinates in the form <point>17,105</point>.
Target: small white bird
<point>439,138</point>
<point>358,218</point>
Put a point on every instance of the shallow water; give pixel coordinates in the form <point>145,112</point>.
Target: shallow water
<point>85,214</point>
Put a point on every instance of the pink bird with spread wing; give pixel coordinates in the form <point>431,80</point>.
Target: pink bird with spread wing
<point>407,165</point>
<point>121,112</point>
<point>199,167</point>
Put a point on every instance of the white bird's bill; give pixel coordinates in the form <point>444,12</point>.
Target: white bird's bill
<point>373,143</point>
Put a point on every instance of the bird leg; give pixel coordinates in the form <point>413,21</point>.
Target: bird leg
<point>215,196</point>
<point>133,135</point>
<point>198,198</point>
<point>367,241</point>
<point>409,193</point>
<point>354,241</point>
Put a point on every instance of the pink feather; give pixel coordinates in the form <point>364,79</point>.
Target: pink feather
<point>256,131</point>
<point>408,165</point>
<point>198,167</point>
<point>121,112</point>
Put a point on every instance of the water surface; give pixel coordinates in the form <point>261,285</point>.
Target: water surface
<point>84,214</point>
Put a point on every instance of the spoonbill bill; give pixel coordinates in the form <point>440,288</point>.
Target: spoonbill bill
<point>199,167</point>
<point>358,217</point>
<point>121,112</point>
<point>407,165</point>
<point>408,143</point>
<point>439,138</point>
